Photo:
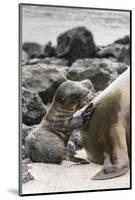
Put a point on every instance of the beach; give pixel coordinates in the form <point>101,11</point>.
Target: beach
<point>69,177</point>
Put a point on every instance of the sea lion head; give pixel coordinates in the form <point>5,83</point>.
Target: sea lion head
<point>70,94</point>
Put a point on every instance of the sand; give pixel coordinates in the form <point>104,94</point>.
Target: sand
<point>69,177</point>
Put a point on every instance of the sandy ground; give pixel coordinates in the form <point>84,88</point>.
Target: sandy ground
<point>69,177</point>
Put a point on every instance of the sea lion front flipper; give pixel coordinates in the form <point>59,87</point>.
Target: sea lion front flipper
<point>82,119</point>
<point>109,170</point>
<point>87,114</point>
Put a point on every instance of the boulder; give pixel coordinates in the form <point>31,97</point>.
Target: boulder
<point>33,109</point>
<point>34,50</point>
<point>89,69</point>
<point>49,50</point>
<point>76,43</point>
<point>120,50</point>
<point>43,79</point>
<point>24,58</point>
<point>49,61</point>
<point>54,61</point>
<point>100,71</point>
<point>75,144</point>
<point>26,175</point>
<point>124,40</point>
<point>124,55</point>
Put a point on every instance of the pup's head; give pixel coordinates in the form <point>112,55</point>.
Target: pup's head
<point>70,93</point>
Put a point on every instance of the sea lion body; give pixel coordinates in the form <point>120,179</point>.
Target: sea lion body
<point>107,136</point>
<point>46,143</point>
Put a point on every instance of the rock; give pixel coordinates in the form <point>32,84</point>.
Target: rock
<point>89,69</point>
<point>100,71</point>
<point>34,50</point>
<point>43,79</point>
<point>54,61</point>
<point>49,50</point>
<point>49,61</point>
<point>124,55</point>
<point>75,144</point>
<point>26,175</point>
<point>111,50</point>
<point>120,50</point>
<point>34,61</point>
<point>24,58</point>
<point>124,40</point>
<point>76,43</point>
<point>33,109</point>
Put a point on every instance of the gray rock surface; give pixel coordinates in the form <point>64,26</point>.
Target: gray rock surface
<point>43,79</point>
<point>76,43</point>
<point>33,49</point>
<point>33,109</point>
<point>100,71</point>
<point>119,49</point>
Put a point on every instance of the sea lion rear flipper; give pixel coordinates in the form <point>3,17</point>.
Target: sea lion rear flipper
<point>110,171</point>
<point>101,175</point>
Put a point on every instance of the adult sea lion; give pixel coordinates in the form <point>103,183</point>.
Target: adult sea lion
<point>106,133</point>
<point>46,143</point>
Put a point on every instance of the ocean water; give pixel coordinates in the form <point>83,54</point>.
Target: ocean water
<point>43,23</point>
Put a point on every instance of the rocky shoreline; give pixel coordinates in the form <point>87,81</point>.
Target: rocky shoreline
<point>76,57</point>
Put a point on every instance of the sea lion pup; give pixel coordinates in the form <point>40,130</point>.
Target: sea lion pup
<point>106,133</point>
<point>46,143</point>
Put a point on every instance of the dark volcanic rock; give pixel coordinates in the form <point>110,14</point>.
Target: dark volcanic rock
<point>49,50</point>
<point>100,71</point>
<point>26,175</point>
<point>124,40</point>
<point>49,61</point>
<point>89,69</point>
<point>43,79</point>
<point>24,58</point>
<point>33,108</point>
<point>124,55</point>
<point>75,144</point>
<point>55,61</point>
<point>120,50</point>
<point>76,43</point>
<point>34,50</point>
<point>111,50</point>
